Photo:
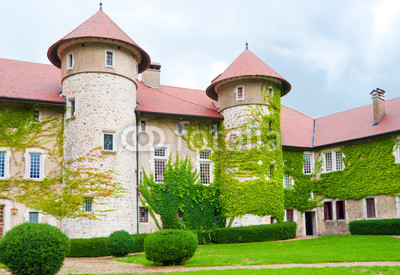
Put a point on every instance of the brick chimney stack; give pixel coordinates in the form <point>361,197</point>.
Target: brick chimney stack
<point>151,77</point>
<point>378,99</point>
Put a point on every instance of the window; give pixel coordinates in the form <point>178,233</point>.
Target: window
<point>88,205</point>
<point>36,115</point>
<point>108,142</point>
<point>72,106</point>
<point>307,169</point>
<point>205,167</point>
<point>109,59</point>
<point>340,210</point>
<point>34,164</point>
<point>328,162</point>
<point>370,203</point>
<point>289,215</point>
<point>2,164</point>
<point>333,161</point>
<point>143,126</point>
<point>34,217</point>
<point>1,220</point>
<point>287,180</point>
<point>328,213</point>
<point>339,162</point>
<point>239,93</point>
<point>214,130</point>
<point>143,214</point>
<point>397,151</point>
<point>160,158</point>
<point>70,61</point>
<point>180,128</point>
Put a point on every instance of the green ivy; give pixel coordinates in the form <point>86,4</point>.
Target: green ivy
<point>181,191</point>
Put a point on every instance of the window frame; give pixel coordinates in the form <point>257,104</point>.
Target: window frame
<point>7,159</point>
<point>72,107</point>
<point>396,151</point>
<point>286,215</point>
<point>145,218</point>
<point>237,93</point>
<point>337,210</point>
<point>27,157</point>
<point>70,66</point>
<point>328,213</point>
<point>311,162</point>
<point>205,161</point>
<point>143,126</point>
<point>113,141</point>
<point>112,59</point>
<point>291,181</point>
<point>86,203</point>
<point>366,208</point>
<point>333,153</point>
<point>155,158</point>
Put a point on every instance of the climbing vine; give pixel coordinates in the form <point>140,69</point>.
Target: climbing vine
<point>181,192</point>
<point>63,191</point>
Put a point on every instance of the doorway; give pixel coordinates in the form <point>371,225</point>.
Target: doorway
<point>310,223</point>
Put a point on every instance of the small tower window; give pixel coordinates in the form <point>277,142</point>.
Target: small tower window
<point>143,126</point>
<point>88,205</point>
<point>70,61</point>
<point>109,59</point>
<point>108,142</point>
<point>239,93</point>
<point>72,107</point>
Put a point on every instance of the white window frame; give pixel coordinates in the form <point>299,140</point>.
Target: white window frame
<point>333,204</point>
<point>146,126</point>
<point>162,158</point>
<point>69,106</point>
<point>237,92</point>
<point>291,181</point>
<point>183,124</point>
<point>7,159</point>
<point>398,206</point>
<point>28,210</point>
<point>70,66</point>
<point>294,215</point>
<point>113,141</point>
<point>365,208</point>
<point>105,58</point>
<point>214,128</point>
<point>312,162</point>
<point>27,154</point>
<point>396,151</point>
<point>206,161</point>
<point>334,165</point>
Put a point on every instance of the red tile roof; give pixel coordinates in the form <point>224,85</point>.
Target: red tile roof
<point>28,81</point>
<point>175,101</point>
<point>296,128</point>
<point>356,124</point>
<point>247,64</point>
<point>99,26</point>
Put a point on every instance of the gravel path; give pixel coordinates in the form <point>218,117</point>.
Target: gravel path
<point>106,265</point>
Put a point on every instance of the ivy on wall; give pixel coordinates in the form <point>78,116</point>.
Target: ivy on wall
<point>370,170</point>
<point>182,192</point>
<point>63,191</point>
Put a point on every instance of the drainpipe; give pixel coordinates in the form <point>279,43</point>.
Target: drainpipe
<point>137,172</point>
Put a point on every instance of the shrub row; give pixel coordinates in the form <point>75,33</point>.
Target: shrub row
<point>375,227</point>
<point>97,247</point>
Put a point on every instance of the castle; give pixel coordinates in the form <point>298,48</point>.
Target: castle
<point>93,87</point>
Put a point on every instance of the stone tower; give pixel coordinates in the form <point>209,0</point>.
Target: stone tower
<point>248,95</point>
<point>99,67</point>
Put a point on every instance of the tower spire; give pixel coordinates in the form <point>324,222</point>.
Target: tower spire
<point>101,6</point>
<point>247,45</point>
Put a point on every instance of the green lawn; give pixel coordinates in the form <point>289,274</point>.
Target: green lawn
<point>295,271</point>
<point>345,248</point>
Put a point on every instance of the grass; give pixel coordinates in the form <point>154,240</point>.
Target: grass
<point>297,270</point>
<point>2,266</point>
<point>345,248</point>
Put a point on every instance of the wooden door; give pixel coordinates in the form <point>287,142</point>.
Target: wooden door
<point>1,220</point>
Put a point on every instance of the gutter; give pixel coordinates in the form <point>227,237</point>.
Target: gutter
<point>179,115</point>
<point>33,101</point>
<point>137,172</point>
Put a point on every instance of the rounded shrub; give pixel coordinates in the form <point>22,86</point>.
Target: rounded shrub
<point>120,243</point>
<point>34,248</point>
<point>172,246</point>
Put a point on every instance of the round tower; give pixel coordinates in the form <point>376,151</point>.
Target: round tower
<point>99,67</point>
<point>248,95</point>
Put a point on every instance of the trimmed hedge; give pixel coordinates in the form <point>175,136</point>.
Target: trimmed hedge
<point>97,247</point>
<point>375,227</point>
<point>170,246</point>
<point>120,243</point>
<point>256,233</point>
<point>206,236</point>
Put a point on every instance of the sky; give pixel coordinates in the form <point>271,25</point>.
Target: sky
<point>334,53</point>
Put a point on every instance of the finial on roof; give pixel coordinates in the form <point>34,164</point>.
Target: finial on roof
<point>101,6</point>
<point>247,45</point>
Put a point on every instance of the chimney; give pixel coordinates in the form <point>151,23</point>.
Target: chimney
<point>378,99</point>
<point>151,77</point>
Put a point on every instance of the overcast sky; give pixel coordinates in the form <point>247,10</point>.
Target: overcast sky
<point>332,52</point>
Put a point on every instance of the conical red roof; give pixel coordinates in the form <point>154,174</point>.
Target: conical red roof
<point>99,25</point>
<point>247,64</point>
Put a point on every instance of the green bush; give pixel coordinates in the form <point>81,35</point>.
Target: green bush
<point>93,247</point>
<point>206,236</point>
<point>34,248</point>
<point>375,227</point>
<point>256,233</point>
<point>120,243</point>
<point>171,246</point>
<point>139,243</point>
